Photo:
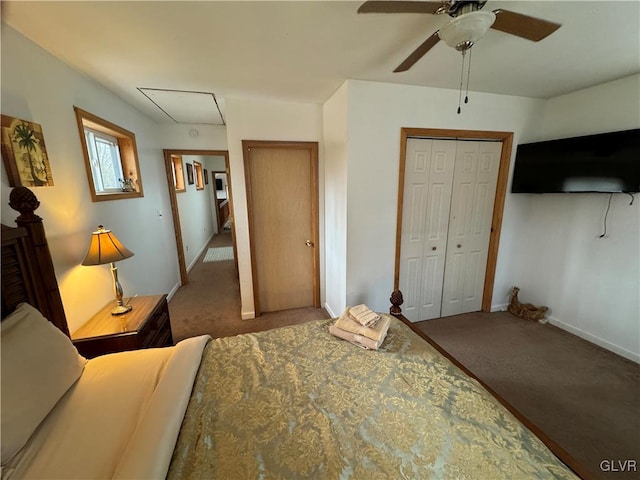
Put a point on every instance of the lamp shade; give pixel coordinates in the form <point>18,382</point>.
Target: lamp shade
<point>105,248</point>
<point>464,30</point>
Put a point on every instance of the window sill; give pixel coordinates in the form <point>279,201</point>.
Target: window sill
<point>103,197</point>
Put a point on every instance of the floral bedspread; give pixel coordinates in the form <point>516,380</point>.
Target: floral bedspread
<point>296,403</point>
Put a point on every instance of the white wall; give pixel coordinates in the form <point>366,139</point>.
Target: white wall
<point>376,113</point>
<point>336,138</point>
<point>591,284</point>
<point>177,137</point>
<point>609,107</point>
<point>39,88</point>
<point>252,119</point>
<point>197,213</point>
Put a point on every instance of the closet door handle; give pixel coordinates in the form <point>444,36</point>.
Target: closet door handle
<point>459,245</point>
<point>434,248</point>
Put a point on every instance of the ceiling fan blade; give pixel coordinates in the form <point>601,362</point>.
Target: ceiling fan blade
<point>531,28</point>
<point>418,53</point>
<point>381,6</point>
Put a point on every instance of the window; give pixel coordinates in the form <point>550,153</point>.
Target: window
<point>106,165</point>
<point>199,180</point>
<point>110,157</point>
<point>178,173</point>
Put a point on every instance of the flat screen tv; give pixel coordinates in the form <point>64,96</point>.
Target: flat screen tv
<point>607,162</point>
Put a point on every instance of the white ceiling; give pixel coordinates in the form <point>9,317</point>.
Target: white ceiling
<point>304,50</point>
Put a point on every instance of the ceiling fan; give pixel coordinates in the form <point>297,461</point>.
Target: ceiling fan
<point>469,23</point>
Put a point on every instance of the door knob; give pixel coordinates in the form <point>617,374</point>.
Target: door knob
<point>459,245</point>
<point>434,248</point>
<point>309,243</point>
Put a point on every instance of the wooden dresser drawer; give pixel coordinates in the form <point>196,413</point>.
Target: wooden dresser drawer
<point>147,325</point>
<point>157,331</point>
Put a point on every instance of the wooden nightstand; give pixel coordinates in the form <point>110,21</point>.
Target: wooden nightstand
<point>146,326</point>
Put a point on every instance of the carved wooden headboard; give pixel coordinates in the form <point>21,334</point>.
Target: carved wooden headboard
<point>27,268</point>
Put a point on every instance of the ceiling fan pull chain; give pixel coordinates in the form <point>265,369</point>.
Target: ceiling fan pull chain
<point>461,82</point>
<point>466,97</point>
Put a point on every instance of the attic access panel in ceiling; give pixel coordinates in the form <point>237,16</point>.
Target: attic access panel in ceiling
<point>183,106</point>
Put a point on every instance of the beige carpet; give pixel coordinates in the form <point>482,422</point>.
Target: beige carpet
<point>585,398</point>
<point>210,302</point>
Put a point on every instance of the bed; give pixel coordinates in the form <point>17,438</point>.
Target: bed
<point>288,403</point>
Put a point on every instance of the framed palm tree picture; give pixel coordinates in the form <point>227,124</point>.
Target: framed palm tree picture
<point>24,153</point>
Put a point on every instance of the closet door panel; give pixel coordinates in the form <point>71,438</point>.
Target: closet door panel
<point>432,286</point>
<point>462,205</point>
<point>427,195</point>
<point>417,167</point>
<point>414,248</point>
<point>480,223</point>
<point>410,284</point>
<point>474,188</point>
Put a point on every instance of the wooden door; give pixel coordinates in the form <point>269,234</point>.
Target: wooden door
<point>429,170</point>
<point>474,189</point>
<point>282,195</point>
<point>221,198</point>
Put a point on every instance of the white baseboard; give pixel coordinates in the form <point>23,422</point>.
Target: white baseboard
<point>623,352</point>
<point>173,291</point>
<point>200,252</point>
<point>499,308</point>
<point>329,311</point>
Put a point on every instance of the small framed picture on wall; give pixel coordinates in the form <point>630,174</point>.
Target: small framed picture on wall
<point>189,174</point>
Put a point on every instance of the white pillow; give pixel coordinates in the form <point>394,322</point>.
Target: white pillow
<point>39,364</point>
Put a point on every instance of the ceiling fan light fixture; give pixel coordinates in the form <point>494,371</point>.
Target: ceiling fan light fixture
<point>464,30</point>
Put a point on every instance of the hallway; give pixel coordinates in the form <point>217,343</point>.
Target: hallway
<point>210,302</point>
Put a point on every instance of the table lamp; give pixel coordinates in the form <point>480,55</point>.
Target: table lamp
<point>106,248</point>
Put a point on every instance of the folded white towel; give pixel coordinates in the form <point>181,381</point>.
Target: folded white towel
<point>356,339</point>
<point>376,333</point>
<point>363,315</point>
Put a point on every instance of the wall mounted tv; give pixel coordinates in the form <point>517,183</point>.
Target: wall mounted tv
<point>607,162</point>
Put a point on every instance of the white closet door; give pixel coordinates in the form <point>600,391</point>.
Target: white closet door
<point>474,188</point>
<point>427,195</point>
